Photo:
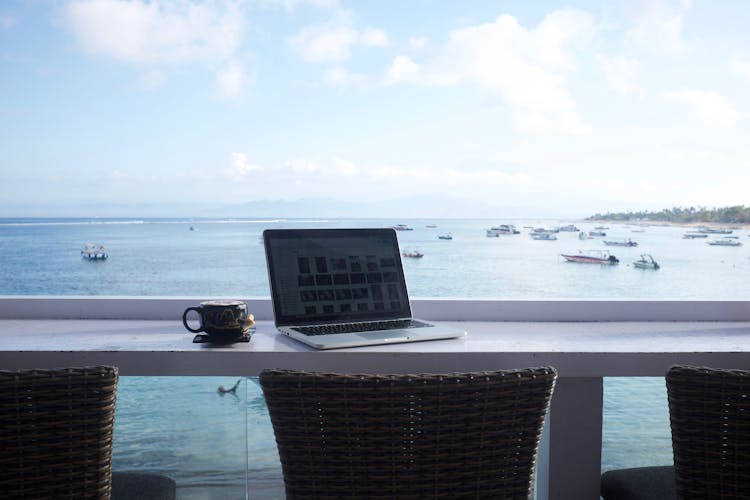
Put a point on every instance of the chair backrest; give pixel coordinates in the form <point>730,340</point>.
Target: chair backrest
<point>709,411</point>
<point>56,429</point>
<point>408,436</point>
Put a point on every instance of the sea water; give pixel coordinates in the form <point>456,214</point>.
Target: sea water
<point>214,444</point>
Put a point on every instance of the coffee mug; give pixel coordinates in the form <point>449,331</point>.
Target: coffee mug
<point>221,318</point>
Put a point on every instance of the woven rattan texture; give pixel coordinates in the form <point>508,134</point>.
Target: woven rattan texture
<point>56,429</point>
<point>710,417</point>
<point>470,435</point>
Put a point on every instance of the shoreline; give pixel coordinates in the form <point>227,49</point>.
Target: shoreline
<point>688,225</point>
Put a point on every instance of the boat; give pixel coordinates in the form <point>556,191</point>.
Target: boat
<point>402,227</point>
<point>94,251</point>
<point>583,235</point>
<point>570,227</point>
<point>692,236</point>
<point>592,257</point>
<point>543,236</point>
<point>725,242</point>
<point>413,254</point>
<point>192,228</point>
<point>597,233</point>
<point>646,262</point>
<point>496,231</point>
<point>714,230</point>
<point>431,226</point>
<point>621,243</point>
<point>447,236</point>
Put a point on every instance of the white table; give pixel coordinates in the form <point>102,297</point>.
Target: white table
<point>582,352</point>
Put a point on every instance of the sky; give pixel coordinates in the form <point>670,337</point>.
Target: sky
<point>481,108</point>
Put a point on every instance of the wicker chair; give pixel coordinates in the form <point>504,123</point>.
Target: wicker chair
<point>709,411</point>
<point>464,435</point>
<point>56,431</point>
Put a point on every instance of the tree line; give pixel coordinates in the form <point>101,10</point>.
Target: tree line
<point>728,215</point>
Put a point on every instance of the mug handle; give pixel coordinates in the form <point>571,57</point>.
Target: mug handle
<point>184,319</point>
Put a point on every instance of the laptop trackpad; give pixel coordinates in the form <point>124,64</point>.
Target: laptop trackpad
<point>394,334</point>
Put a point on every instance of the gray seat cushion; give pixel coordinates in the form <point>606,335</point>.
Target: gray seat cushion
<point>142,486</point>
<point>641,483</point>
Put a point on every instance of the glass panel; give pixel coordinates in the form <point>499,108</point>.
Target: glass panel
<point>635,429</point>
<point>265,479</point>
<point>186,428</point>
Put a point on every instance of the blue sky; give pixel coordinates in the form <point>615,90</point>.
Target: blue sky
<point>538,108</point>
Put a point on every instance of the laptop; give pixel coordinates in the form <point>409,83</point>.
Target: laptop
<point>335,288</point>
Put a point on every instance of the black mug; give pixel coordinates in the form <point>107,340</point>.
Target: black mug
<point>221,318</point>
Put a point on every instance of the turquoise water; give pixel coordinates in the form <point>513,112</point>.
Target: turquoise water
<point>214,444</point>
<point>225,258</point>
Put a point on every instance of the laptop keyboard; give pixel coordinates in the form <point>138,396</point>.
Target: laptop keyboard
<point>361,327</point>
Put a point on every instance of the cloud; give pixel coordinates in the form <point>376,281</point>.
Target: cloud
<point>526,67</point>
<point>712,109</point>
<point>740,66</point>
<point>343,77</point>
<point>345,167</point>
<point>621,73</point>
<point>403,69</point>
<point>156,32</point>
<point>333,40</point>
<point>240,167</point>
<point>292,5</point>
<point>231,80</point>
<point>659,26</point>
<point>353,180</point>
<point>418,44</point>
<point>371,37</point>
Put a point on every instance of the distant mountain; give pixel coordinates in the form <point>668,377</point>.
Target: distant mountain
<point>416,207</point>
<point>422,206</point>
<point>419,207</point>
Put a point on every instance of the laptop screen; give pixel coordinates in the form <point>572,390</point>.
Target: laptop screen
<point>335,275</point>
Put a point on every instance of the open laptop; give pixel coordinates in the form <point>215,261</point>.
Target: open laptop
<point>336,288</point>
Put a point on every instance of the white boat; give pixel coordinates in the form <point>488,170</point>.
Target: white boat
<point>94,251</point>
<point>447,236</point>
<point>725,242</point>
<point>646,262</point>
<point>592,257</point>
<point>543,236</point>
<point>583,235</point>
<point>496,231</point>
<point>413,254</point>
<point>621,243</point>
<point>597,233</point>
<point>569,227</point>
<point>714,230</point>
<point>402,227</point>
<point>692,235</point>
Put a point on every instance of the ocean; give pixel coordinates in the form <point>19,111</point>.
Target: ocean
<point>215,444</point>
